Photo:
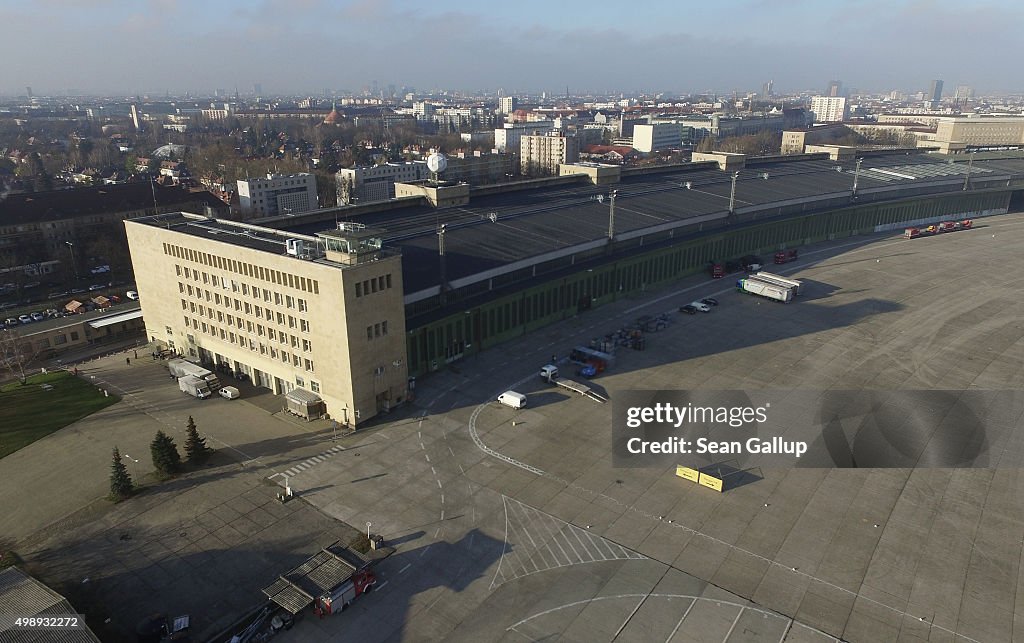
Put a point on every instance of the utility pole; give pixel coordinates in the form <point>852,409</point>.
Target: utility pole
<point>856,176</point>
<point>73,264</point>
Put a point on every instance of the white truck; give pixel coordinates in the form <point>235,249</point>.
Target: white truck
<point>765,289</point>
<point>797,286</point>
<point>194,386</point>
<point>180,367</point>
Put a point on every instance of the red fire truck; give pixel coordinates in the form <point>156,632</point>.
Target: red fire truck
<point>785,256</point>
<point>716,270</point>
<point>342,595</point>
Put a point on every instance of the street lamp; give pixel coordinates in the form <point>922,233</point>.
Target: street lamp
<point>71,246</point>
<point>135,470</point>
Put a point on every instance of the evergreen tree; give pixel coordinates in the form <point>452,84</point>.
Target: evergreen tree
<point>165,454</point>
<point>195,447</point>
<point>121,485</point>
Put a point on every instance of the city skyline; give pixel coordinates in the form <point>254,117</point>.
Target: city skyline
<point>307,45</point>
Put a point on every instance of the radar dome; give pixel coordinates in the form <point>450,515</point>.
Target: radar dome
<point>437,163</point>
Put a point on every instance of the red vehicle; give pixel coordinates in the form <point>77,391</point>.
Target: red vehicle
<point>949,226</point>
<point>361,582</point>
<point>966,224</point>
<point>912,233</point>
<point>716,270</point>
<point>785,256</point>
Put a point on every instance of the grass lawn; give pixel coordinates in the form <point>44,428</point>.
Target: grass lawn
<point>30,412</point>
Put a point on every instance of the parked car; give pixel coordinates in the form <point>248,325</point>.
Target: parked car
<point>76,291</point>
<point>228,392</point>
<point>37,316</point>
<point>710,301</point>
<point>702,307</point>
<point>99,270</point>
<point>96,287</point>
<point>689,309</point>
<point>131,294</point>
<point>24,319</point>
<point>10,321</point>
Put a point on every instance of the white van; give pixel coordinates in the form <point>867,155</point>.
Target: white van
<point>513,399</point>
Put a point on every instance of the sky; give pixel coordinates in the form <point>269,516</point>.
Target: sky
<point>672,46</point>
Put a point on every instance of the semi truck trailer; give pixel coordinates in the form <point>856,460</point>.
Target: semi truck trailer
<point>765,289</point>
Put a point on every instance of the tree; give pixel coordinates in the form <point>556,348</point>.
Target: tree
<point>121,486</point>
<point>165,454</point>
<point>16,353</point>
<point>195,447</point>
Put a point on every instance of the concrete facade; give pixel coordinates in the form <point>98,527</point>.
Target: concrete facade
<point>829,109</point>
<point>277,194</point>
<point>657,136</point>
<point>328,319</point>
<point>541,155</point>
<point>377,182</point>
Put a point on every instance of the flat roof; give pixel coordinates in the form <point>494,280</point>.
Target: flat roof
<point>116,319</point>
<point>532,223</point>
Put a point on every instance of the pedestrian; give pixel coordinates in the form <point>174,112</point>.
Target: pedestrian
<point>127,361</point>
<point>554,359</point>
<point>135,354</point>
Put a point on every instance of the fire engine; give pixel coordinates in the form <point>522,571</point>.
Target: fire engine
<point>342,595</point>
<point>785,256</point>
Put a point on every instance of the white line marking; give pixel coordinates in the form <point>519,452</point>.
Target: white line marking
<point>381,586</point>
<point>439,485</point>
<point>442,514</point>
<point>403,570</point>
<point>729,633</point>
<point>427,456</point>
<point>685,614</point>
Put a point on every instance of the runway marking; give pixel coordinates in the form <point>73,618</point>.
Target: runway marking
<point>537,541</point>
<point>403,570</point>
<point>687,612</point>
<point>379,588</point>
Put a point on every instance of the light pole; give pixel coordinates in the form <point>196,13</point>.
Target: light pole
<point>856,176</point>
<point>440,253</point>
<point>611,215</point>
<point>73,264</point>
<point>135,469</point>
<point>732,193</point>
<point>967,177</point>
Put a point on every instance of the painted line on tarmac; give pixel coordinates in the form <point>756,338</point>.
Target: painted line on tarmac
<point>404,569</point>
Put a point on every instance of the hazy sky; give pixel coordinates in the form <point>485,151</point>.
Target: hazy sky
<point>525,45</point>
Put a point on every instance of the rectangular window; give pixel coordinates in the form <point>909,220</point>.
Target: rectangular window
<point>277,298</point>
<point>369,332</point>
<point>74,334</point>
<point>302,305</point>
<point>384,327</point>
<point>387,279</point>
<point>309,365</point>
<point>373,285</point>
<point>304,325</point>
<point>359,289</point>
<point>314,386</point>
<point>380,282</point>
<point>289,301</point>
<point>306,346</point>
<point>181,287</point>
<point>299,381</point>
<point>376,330</point>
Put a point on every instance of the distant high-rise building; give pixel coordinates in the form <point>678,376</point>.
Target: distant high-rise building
<point>506,104</point>
<point>963,94</point>
<point>257,89</point>
<point>834,89</point>
<point>28,90</point>
<point>935,94</point>
<point>829,109</point>
<point>541,155</point>
<point>766,90</point>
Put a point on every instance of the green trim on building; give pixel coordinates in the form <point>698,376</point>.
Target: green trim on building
<point>451,338</point>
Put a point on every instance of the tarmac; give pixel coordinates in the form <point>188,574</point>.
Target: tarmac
<point>510,524</point>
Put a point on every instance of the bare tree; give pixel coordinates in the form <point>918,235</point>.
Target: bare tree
<point>16,353</point>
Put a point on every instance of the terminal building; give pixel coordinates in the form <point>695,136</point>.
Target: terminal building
<point>352,310</point>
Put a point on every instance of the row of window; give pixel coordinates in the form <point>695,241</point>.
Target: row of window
<point>296,360</point>
<point>258,311</point>
<point>251,327</point>
<point>235,286</point>
<point>377,330</point>
<point>369,286</point>
<point>278,277</point>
